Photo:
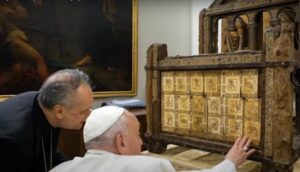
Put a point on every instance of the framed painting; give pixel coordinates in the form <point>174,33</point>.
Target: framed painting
<point>40,37</point>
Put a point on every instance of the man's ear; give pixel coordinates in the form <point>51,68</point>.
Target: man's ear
<point>58,110</point>
<point>120,144</point>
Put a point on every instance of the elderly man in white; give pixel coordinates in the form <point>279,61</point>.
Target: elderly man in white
<point>111,137</point>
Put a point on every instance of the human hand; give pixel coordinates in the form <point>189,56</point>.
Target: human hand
<point>239,152</point>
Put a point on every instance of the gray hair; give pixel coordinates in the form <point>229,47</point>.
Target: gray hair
<point>60,86</point>
<point>107,139</point>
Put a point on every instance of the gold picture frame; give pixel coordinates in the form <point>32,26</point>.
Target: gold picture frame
<point>110,62</point>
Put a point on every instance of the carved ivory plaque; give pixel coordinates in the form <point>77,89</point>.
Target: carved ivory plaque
<point>219,104</point>
<point>183,121</point>
<point>214,105</point>
<point>212,83</point>
<point>183,103</point>
<point>168,82</point>
<point>169,102</point>
<point>196,79</point>
<point>214,125</point>
<point>234,108</point>
<point>168,121</point>
<point>199,124</point>
<point>249,83</point>
<point>198,104</point>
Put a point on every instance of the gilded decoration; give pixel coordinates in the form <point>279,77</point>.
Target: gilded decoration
<point>214,126</point>
<point>283,116</point>
<point>198,104</point>
<point>213,59</point>
<point>199,124</point>
<point>169,119</point>
<point>234,107</point>
<point>201,102</point>
<point>252,109</point>
<point>196,80</point>
<point>282,38</point>
<point>239,84</point>
<point>233,129</point>
<point>212,83</point>
<point>167,82</point>
<point>233,118</point>
<point>252,119</point>
<point>252,130</point>
<point>231,83</point>
<point>233,5</point>
<point>250,83</point>
<point>183,103</point>
<point>269,74</point>
<point>214,105</point>
<point>181,82</point>
<point>169,102</point>
<point>183,121</point>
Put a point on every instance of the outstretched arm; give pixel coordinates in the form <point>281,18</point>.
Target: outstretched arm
<point>238,154</point>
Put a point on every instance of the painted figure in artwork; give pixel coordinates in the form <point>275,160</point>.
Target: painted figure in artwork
<point>20,61</point>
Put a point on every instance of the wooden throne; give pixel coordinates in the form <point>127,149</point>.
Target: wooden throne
<point>243,82</point>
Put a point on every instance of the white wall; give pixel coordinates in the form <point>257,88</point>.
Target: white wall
<point>174,22</point>
<point>162,21</point>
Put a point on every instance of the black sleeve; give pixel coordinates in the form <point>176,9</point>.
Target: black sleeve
<point>8,157</point>
<point>59,158</point>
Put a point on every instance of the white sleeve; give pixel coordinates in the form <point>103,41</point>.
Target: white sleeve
<point>155,164</point>
<point>224,166</point>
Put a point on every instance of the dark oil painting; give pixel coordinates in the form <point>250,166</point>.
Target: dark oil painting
<point>39,37</point>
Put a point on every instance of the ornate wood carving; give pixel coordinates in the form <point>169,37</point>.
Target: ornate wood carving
<point>269,104</point>
<point>282,116</point>
<point>212,98</point>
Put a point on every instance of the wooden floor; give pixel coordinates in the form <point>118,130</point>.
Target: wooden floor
<point>191,159</point>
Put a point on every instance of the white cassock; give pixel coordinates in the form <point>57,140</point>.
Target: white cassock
<point>102,161</point>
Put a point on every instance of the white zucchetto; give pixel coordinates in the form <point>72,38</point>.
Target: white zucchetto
<point>100,120</point>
